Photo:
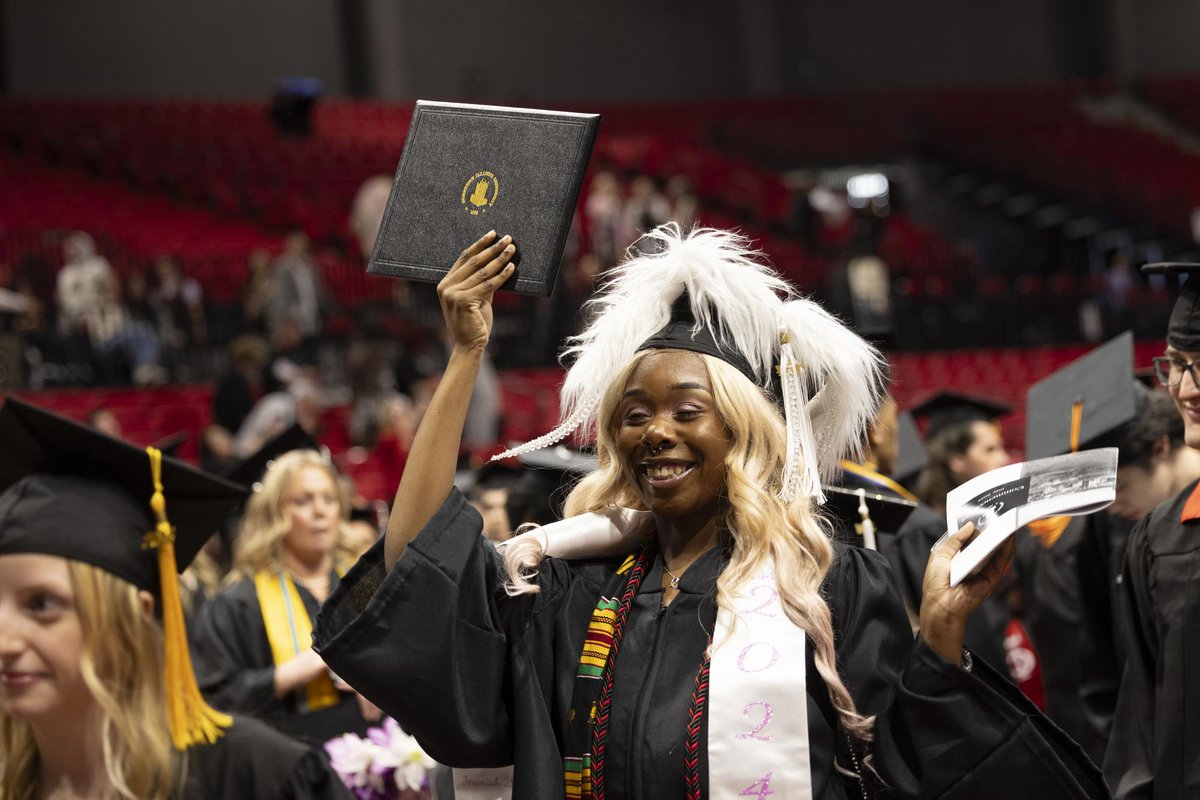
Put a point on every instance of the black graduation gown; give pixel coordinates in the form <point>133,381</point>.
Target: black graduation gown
<point>254,762</point>
<point>907,550</point>
<point>236,672</point>
<point>1099,562</point>
<point>1049,579</point>
<point>483,680</point>
<point>1154,750</point>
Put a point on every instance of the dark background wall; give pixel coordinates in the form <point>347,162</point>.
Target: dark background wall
<point>549,50</point>
<point>219,48</point>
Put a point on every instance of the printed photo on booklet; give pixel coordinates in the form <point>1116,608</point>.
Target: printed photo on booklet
<point>469,169</point>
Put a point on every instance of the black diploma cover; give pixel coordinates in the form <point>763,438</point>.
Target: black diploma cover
<point>468,169</point>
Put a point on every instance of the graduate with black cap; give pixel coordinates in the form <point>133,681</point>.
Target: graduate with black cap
<point>906,540</point>
<point>1152,751</point>
<point>962,439</point>
<point>1095,401</point>
<point>253,637</point>
<point>600,656</point>
<point>97,694</point>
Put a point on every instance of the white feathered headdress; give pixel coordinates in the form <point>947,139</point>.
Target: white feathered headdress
<point>830,380</point>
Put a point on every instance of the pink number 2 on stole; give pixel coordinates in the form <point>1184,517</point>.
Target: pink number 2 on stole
<point>766,719</point>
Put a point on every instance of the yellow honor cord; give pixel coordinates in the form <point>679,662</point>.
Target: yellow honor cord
<point>191,720</point>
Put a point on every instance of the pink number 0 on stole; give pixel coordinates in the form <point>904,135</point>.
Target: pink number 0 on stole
<point>743,657</point>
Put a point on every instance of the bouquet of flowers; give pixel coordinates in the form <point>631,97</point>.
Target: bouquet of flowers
<point>387,765</point>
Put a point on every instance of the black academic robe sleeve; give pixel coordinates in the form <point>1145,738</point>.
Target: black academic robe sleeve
<point>254,762</point>
<point>236,670</point>
<point>942,732</point>
<point>1129,761</point>
<point>1099,562</point>
<point>233,659</point>
<point>452,658</point>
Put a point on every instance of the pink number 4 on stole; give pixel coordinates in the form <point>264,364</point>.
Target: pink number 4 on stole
<point>760,788</point>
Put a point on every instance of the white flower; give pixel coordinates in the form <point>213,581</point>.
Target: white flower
<point>352,758</point>
<point>399,751</point>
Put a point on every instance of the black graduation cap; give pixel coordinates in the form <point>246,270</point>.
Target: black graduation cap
<point>946,408</point>
<point>562,459</point>
<point>911,455</point>
<point>1183,330</point>
<point>491,475</point>
<point>1101,385</point>
<point>69,490</point>
<point>682,333</point>
<point>886,512</point>
<point>547,477</point>
<point>251,469</point>
<point>169,445</point>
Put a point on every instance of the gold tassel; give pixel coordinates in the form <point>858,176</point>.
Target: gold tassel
<point>191,720</point>
<point>1049,530</point>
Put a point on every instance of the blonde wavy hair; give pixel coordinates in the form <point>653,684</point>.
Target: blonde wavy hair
<point>760,523</point>
<point>122,665</point>
<point>259,544</point>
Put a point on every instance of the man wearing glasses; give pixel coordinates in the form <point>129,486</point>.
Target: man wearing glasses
<point>1154,751</point>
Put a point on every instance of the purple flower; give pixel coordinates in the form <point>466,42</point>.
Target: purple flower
<point>384,766</point>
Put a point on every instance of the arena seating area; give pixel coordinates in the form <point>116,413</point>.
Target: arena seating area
<point>212,181</point>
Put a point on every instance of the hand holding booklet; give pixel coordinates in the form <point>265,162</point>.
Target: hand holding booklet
<point>1005,499</point>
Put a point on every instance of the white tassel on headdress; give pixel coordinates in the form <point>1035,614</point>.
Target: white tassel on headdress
<point>756,310</point>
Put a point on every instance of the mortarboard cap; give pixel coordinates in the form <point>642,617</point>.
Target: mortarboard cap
<point>1183,329</point>
<point>842,506</point>
<point>562,459</point>
<point>1088,403</point>
<point>911,457</point>
<point>546,479</point>
<point>683,332</point>
<point>251,470</point>
<point>70,491</point>
<point>169,445</point>
<point>946,408</point>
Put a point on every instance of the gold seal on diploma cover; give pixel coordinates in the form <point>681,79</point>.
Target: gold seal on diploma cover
<point>480,193</point>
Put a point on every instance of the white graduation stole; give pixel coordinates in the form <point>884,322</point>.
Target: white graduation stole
<point>757,695</point>
<point>757,700</point>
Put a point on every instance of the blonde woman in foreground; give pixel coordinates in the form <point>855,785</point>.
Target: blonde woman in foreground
<point>97,698</point>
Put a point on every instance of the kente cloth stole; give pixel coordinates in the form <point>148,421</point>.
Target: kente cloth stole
<point>752,678</point>
<point>289,630</point>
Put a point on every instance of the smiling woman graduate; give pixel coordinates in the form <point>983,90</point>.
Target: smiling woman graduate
<point>691,629</point>
<point>97,695</point>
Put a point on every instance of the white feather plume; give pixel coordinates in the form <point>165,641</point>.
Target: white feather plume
<point>722,273</point>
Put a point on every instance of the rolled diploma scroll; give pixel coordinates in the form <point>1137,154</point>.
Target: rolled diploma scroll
<point>608,533</point>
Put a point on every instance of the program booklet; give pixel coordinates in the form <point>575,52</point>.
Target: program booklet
<point>1005,499</point>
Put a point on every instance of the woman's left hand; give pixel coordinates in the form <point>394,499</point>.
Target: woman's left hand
<point>945,608</point>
